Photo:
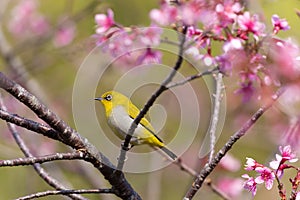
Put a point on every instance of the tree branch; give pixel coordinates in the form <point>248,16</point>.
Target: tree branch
<point>65,192</point>
<point>191,78</point>
<point>149,103</point>
<point>42,159</point>
<point>215,116</point>
<point>209,167</point>
<point>72,138</point>
<point>30,125</point>
<point>40,171</point>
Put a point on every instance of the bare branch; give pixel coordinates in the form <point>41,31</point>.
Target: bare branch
<point>66,192</point>
<point>40,171</point>
<point>184,167</point>
<point>209,167</point>
<point>72,138</point>
<point>30,125</point>
<point>149,103</point>
<point>191,78</point>
<point>215,116</point>
<point>42,159</point>
<point>216,190</point>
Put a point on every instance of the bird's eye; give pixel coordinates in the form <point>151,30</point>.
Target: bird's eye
<point>108,97</point>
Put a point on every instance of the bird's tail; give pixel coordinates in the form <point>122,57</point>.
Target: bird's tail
<point>169,152</point>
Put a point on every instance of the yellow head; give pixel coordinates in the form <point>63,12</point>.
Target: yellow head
<point>111,99</point>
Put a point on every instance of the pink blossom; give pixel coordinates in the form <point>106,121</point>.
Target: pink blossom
<point>250,184</point>
<point>151,36</point>
<point>279,167</point>
<point>224,64</point>
<point>287,154</point>
<point>193,31</point>
<point>166,15</point>
<point>266,175</point>
<point>251,164</point>
<point>64,35</point>
<point>39,25</point>
<point>229,7</point>
<point>208,59</point>
<point>286,59</point>
<point>230,163</point>
<point>149,57</point>
<point>298,196</point>
<point>26,7</point>
<point>251,24</point>
<point>232,44</point>
<point>227,12</point>
<point>27,21</point>
<point>246,85</point>
<point>118,44</point>
<point>210,21</point>
<point>194,52</point>
<point>246,90</point>
<point>190,12</point>
<point>279,24</point>
<point>104,22</point>
<point>248,76</point>
<point>290,105</point>
<point>231,186</point>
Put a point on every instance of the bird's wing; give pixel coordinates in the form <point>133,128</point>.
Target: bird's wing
<point>133,113</point>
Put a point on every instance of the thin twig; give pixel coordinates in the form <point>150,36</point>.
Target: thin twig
<point>184,167</point>
<point>209,167</point>
<point>215,116</point>
<point>191,78</point>
<point>149,103</point>
<point>65,192</point>
<point>216,190</point>
<point>42,159</point>
<point>30,125</point>
<point>40,171</point>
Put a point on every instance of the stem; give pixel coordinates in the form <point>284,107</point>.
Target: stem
<point>42,159</point>
<point>155,95</point>
<point>215,116</point>
<point>210,166</point>
<point>30,125</point>
<point>65,192</point>
<point>191,78</point>
<point>37,167</point>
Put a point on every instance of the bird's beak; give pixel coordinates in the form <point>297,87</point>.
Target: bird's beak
<point>98,99</point>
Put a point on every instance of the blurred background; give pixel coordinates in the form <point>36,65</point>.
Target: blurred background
<point>44,54</point>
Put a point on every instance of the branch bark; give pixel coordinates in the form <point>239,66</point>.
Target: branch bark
<point>65,192</point>
<point>210,166</point>
<point>37,167</point>
<point>163,87</point>
<point>69,136</point>
<point>42,159</point>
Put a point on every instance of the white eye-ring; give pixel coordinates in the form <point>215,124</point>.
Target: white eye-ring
<point>108,97</point>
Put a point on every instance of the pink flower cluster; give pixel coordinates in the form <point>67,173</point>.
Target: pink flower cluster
<point>268,175</point>
<point>131,45</point>
<point>27,22</point>
<point>243,37</point>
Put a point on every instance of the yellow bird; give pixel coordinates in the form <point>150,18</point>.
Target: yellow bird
<point>120,113</point>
